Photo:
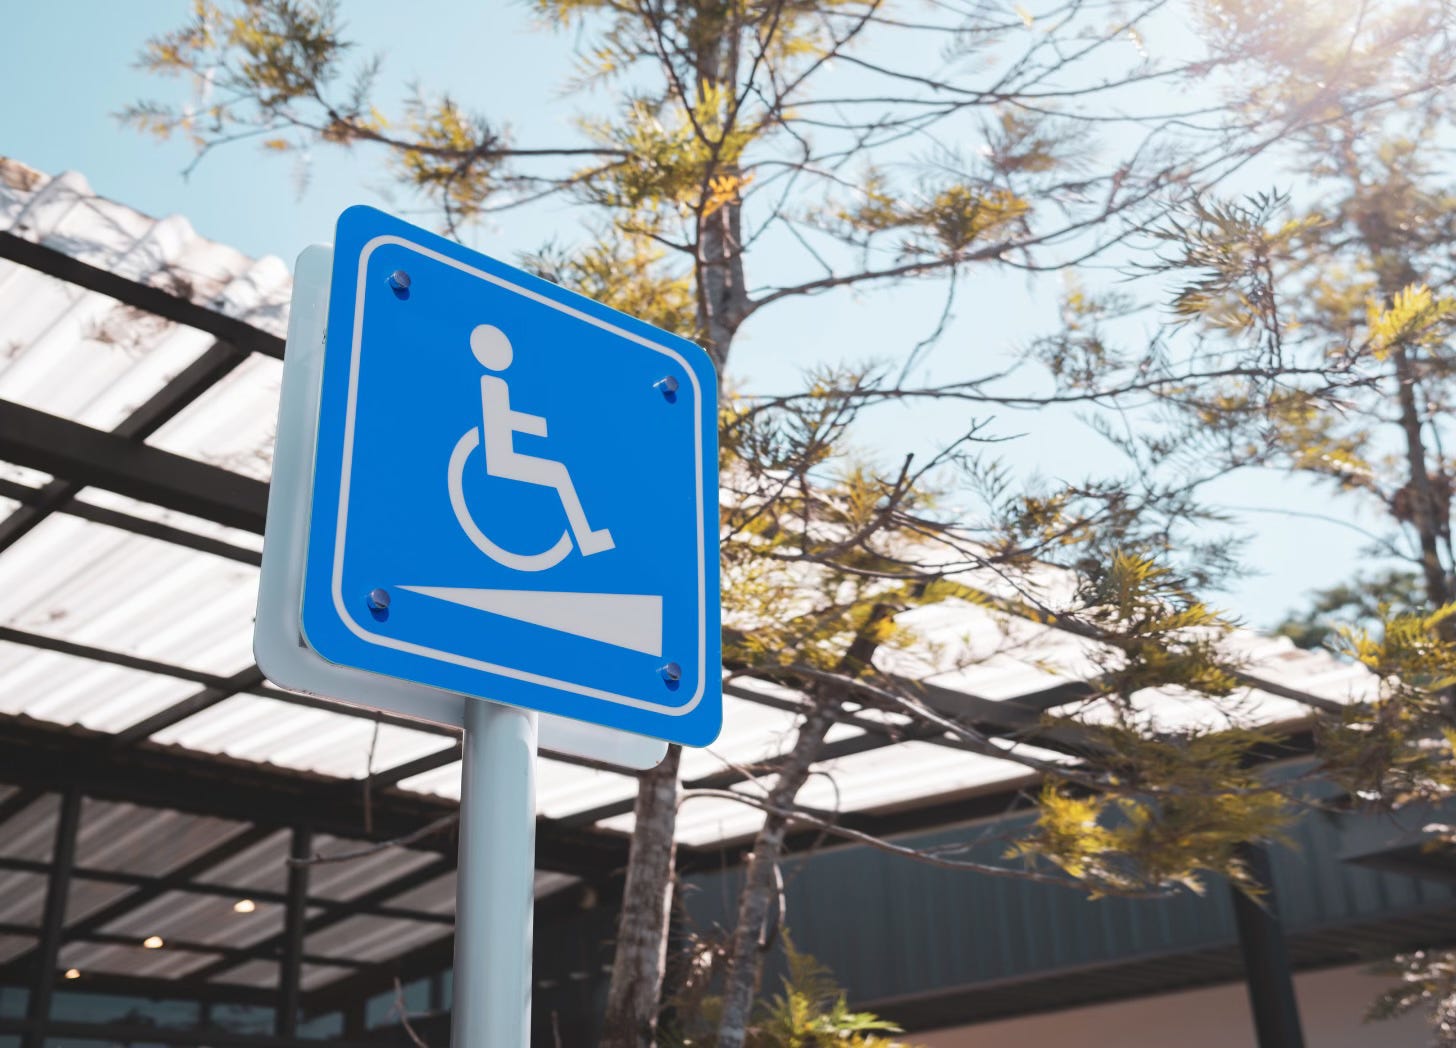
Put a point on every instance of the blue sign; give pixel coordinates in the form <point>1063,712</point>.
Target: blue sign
<point>515,491</point>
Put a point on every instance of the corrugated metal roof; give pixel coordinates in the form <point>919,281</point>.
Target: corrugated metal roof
<point>73,581</point>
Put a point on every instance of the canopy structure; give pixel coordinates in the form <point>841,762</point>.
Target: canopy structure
<point>153,785</point>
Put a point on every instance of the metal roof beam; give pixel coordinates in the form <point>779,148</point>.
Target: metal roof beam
<point>95,922</point>
<point>70,451</point>
<point>229,954</point>
<point>162,989</point>
<point>409,769</point>
<point>244,680</point>
<point>273,946</point>
<point>151,529</point>
<point>728,777</point>
<point>53,920</point>
<point>228,891</point>
<point>13,805</point>
<point>36,755</point>
<point>140,296</point>
<point>210,680</point>
<point>182,390</point>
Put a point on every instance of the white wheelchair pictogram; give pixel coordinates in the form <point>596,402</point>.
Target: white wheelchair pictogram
<point>496,432</point>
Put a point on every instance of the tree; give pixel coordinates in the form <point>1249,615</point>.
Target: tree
<point>725,173</point>
<point>1327,316</point>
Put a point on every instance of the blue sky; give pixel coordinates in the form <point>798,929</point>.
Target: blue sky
<point>70,67</point>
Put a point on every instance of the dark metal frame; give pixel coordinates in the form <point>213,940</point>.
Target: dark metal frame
<point>53,922</point>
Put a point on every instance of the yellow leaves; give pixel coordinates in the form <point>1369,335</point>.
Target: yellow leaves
<point>1069,831</point>
<point>1409,650</point>
<point>960,215</point>
<point>1415,318</point>
<point>628,272</point>
<point>876,208</point>
<point>454,155</point>
<point>1315,438</point>
<point>180,51</point>
<point>1175,807</point>
<point>1396,747</point>
<point>1027,18</point>
<point>277,145</point>
<point>1234,253</point>
<point>1161,636</point>
<point>725,189</point>
<point>1339,296</point>
<point>946,223</point>
<point>682,159</point>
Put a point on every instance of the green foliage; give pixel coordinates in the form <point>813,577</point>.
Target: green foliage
<point>1235,250</point>
<point>626,272</point>
<point>1182,807</point>
<point>1414,319</point>
<point>809,1011</point>
<point>680,158</point>
<point>940,221</point>
<point>279,51</point>
<point>274,70</point>
<point>1158,633</point>
<point>1396,747</point>
<point>1320,61</point>
<point>1079,355</point>
<point>452,157</point>
<point>1153,804</point>
<point>816,539</point>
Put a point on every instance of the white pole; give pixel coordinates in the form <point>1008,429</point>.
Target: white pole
<point>495,894</point>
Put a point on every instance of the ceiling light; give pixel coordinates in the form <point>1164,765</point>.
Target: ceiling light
<point>73,973</point>
<point>152,942</point>
<point>244,906</point>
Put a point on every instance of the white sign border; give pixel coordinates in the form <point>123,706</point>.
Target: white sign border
<point>370,637</point>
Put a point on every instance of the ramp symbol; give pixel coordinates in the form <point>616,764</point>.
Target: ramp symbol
<point>626,620</point>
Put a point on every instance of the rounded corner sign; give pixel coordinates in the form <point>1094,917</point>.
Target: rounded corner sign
<point>515,490</point>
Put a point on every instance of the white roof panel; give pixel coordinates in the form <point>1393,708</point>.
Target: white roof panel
<point>233,424</point>
<point>266,730</point>
<point>67,689</point>
<point>96,585</point>
<point>161,515</point>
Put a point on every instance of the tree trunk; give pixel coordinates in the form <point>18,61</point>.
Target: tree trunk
<point>1424,507</point>
<point>1394,273</point>
<point>634,996</point>
<point>633,999</point>
<point>633,1002</point>
<point>722,296</point>
<point>746,958</point>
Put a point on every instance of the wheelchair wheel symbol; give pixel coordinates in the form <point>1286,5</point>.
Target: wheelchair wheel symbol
<point>548,558</point>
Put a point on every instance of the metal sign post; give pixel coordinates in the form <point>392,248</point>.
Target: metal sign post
<point>494,506</point>
<point>495,883</point>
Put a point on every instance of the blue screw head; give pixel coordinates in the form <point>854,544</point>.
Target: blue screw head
<point>378,599</point>
<point>671,672</point>
<point>667,385</point>
<point>399,280</point>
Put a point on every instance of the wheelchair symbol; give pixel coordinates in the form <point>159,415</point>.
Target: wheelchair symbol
<point>499,425</point>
